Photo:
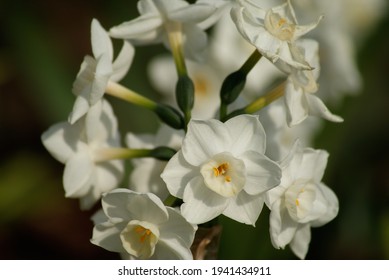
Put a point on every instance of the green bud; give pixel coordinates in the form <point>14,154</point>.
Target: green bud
<point>185,93</point>
<point>170,116</point>
<point>163,153</point>
<point>232,86</point>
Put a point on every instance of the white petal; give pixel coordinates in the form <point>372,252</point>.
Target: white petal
<point>177,228</point>
<point>78,175</point>
<point>200,203</point>
<point>246,133</point>
<point>318,108</point>
<point>331,203</point>
<point>108,175</point>
<point>177,174</point>
<point>296,104</point>
<point>192,13</point>
<point>171,249</point>
<point>142,25</point>
<point>123,62</point>
<point>313,164</point>
<point>245,208</point>
<point>101,43</point>
<point>282,227</point>
<point>203,140</point>
<point>102,75</point>
<point>262,173</point>
<point>123,204</point>
<point>61,140</point>
<point>301,240</point>
<point>80,108</point>
<point>107,236</point>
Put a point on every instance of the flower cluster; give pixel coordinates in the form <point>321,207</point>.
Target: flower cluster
<point>229,143</point>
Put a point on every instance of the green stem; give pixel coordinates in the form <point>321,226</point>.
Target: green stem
<point>263,101</point>
<point>175,41</point>
<point>161,153</point>
<point>119,91</point>
<point>251,62</point>
<point>105,154</point>
<point>259,103</point>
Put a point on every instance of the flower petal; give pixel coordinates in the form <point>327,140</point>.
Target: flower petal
<point>318,108</point>
<point>107,236</point>
<point>101,43</point>
<point>78,174</point>
<point>282,227</point>
<point>80,108</point>
<point>145,24</point>
<point>177,228</point>
<point>124,204</point>
<point>177,174</point>
<point>296,104</point>
<point>331,203</point>
<point>246,133</point>
<point>262,173</point>
<point>301,240</point>
<point>200,203</point>
<point>245,208</point>
<point>313,164</point>
<point>192,13</point>
<point>61,140</point>
<point>123,62</point>
<point>203,140</point>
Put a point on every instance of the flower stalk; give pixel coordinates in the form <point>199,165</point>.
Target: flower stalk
<point>105,154</point>
<point>167,114</point>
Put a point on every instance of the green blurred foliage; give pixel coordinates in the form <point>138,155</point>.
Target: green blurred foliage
<point>42,44</point>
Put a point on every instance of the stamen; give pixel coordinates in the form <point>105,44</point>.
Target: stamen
<point>143,232</point>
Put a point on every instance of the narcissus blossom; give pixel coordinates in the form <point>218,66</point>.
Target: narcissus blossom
<point>160,19</point>
<point>96,71</point>
<point>140,226</point>
<point>83,147</point>
<point>301,201</point>
<point>272,31</point>
<point>221,169</point>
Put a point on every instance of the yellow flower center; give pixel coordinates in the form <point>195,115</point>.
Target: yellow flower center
<point>279,26</point>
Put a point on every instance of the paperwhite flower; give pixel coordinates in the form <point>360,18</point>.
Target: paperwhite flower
<point>158,18</point>
<point>146,175</point>
<point>96,71</point>
<point>140,226</point>
<point>300,101</point>
<point>81,148</point>
<point>273,31</point>
<point>301,201</point>
<point>222,169</point>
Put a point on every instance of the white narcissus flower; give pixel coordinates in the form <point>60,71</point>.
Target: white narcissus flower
<point>146,174</point>
<point>140,226</point>
<point>273,31</point>
<point>95,72</point>
<point>158,18</point>
<point>82,148</point>
<point>301,201</point>
<point>300,101</point>
<point>221,169</point>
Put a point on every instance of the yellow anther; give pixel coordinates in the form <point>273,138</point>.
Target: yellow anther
<point>281,22</point>
<point>228,179</point>
<point>143,232</point>
<point>221,169</point>
<point>297,202</point>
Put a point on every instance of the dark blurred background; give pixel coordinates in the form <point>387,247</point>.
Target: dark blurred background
<point>42,44</point>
